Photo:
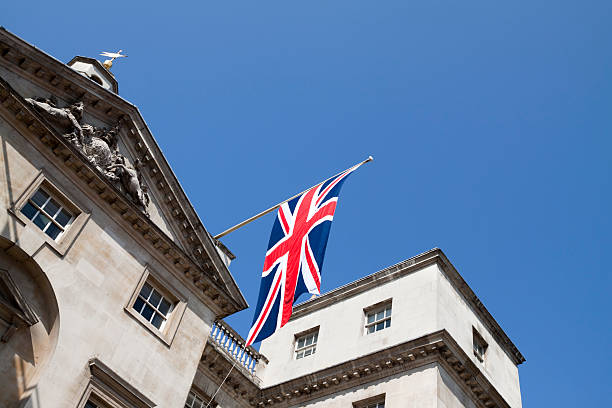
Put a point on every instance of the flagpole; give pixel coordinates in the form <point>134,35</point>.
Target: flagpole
<point>261,214</point>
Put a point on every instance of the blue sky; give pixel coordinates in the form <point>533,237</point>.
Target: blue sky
<point>489,123</point>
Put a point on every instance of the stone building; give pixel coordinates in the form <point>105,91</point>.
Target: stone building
<point>113,293</point>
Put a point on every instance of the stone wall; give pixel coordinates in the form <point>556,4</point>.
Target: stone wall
<point>93,282</point>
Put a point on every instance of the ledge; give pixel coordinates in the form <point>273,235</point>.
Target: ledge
<point>435,348</point>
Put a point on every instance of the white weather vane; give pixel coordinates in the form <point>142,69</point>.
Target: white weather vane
<point>113,56</point>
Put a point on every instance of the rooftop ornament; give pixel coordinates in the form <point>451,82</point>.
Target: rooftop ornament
<point>113,56</point>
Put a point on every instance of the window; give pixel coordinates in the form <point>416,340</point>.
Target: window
<point>480,345</point>
<point>43,207</point>
<point>195,401</point>
<point>106,389</point>
<point>306,345</point>
<point>157,306</point>
<point>94,402</point>
<point>47,214</point>
<point>374,402</point>
<point>378,318</point>
<point>152,306</point>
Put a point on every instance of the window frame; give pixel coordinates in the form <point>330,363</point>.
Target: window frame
<point>478,342</point>
<point>200,396</point>
<point>303,335</point>
<point>375,309</point>
<point>43,181</point>
<point>42,209</point>
<point>108,390</point>
<point>371,402</point>
<point>178,305</point>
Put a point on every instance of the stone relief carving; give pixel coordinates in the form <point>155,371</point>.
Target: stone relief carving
<point>99,146</point>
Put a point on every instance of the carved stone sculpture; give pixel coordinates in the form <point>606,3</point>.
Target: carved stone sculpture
<point>99,146</point>
<point>68,117</point>
<point>131,180</point>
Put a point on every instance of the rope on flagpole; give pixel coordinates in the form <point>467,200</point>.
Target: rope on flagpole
<point>221,385</point>
<point>261,214</point>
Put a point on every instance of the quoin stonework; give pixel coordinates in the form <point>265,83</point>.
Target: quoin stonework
<point>113,293</point>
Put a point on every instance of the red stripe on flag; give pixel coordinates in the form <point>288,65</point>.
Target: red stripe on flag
<point>254,335</point>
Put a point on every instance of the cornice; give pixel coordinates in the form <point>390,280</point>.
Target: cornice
<point>53,145</point>
<point>411,265</point>
<point>101,373</point>
<point>67,84</point>
<point>435,348</point>
<point>242,385</point>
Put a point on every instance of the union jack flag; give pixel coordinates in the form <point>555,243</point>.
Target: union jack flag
<point>295,255</point>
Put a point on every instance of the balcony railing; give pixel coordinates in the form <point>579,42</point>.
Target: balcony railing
<point>232,344</point>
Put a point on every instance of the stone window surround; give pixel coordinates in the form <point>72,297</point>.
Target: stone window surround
<point>371,401</point>
<point>375,307</point>
<point>166,335</point>
<point>80,216</point>
<point>197,397</point>
<point>304,333</point>
<point>480,346</point>
<point>107,389</point>
<point>15,314</point>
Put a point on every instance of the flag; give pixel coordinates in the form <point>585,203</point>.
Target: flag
<point>294,259</point>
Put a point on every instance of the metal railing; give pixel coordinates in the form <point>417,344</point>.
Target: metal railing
<point>232,344</point>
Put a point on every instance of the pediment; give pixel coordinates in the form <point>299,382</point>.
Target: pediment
<point>14,308</point>
<point>139,185</point>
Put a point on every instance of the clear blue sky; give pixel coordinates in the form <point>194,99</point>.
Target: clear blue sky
<point>490,124</point>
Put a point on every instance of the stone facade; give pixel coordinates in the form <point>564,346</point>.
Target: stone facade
<point>81,285</point>
<point>112,292</point>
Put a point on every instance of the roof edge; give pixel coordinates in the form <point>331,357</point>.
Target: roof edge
<point>410,265</point>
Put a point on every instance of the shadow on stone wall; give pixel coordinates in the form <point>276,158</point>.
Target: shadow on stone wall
<point>25,353</point>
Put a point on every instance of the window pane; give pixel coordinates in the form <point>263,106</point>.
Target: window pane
<point>380,326</point>
<point>63,217</point>
<point>155,298</point>
<point>138,304</point>
<point>308,340</point>
<point>164,307</point>
<point>307,352</point>
<point>371,329</point>
<point>388,323</point>
<point>40,197</point>
<point>189,402</point>
<point>90,404</point>
<point>52,207</point>
<point>301,342</point>
<point>314,349</point>
<point>299,355</point>
<point>157,320</point>
<point>41,220</point>
<point>53,231</point>
<point>380,315</point>
<point>147,312</point>
<point>370,318</point>
<point>316,336</point>
<point>146,290</point>
<point>29,211</point>
<point>388,312</point>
